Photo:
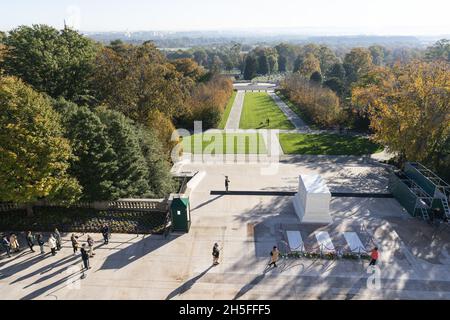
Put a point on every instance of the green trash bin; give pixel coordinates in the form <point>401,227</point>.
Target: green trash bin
<point>181,214</point>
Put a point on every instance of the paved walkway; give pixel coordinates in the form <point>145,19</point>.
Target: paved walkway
<point>291,115</point>
<point>179,267</point>
<point>235,114</point>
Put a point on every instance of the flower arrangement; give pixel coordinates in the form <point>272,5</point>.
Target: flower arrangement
<point>326,256</point>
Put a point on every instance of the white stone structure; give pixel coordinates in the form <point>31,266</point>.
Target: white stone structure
<point>312,202</point>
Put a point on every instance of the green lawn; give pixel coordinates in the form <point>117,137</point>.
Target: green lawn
<point>258,107</point>
<point>236,143</point>
<point>327,144</point>
<point>227,111</point>
<point>299,112</point>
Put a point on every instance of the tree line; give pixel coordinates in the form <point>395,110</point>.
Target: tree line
<point>405,105</point>
<point>84,121</point>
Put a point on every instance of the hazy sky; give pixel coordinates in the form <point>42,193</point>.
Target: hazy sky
<point>348,16</point>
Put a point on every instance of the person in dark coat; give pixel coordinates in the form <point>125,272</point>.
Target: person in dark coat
<point>58,239</point>
<point>75,243</point>
<point>7,245</point>
<point>216,254</point>
<point>105,233</point>
<point>30,240</point>
<point>85,256</point>
<point>227,183</point>
<point>41,242</point>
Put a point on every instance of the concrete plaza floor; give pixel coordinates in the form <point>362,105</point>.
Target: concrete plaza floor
<point>414,256</point>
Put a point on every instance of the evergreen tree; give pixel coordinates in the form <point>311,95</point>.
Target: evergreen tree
<point>250,67</point>
<point>95,162</point>
<point>159,177</point>
<point>131,175</point>
<point>316,77</point>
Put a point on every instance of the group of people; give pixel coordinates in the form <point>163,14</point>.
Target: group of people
<point>275,256</point>
<point>11,244</point>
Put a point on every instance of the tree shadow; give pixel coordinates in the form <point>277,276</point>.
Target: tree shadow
<point>124,257</point>
<point>187,285</point>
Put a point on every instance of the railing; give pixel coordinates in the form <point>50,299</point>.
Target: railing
<point>158,205</point>
<point>144,205</point>
<point>5,206</point>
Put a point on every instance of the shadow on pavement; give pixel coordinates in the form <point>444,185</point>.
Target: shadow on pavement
<point>135,251</point>
<point>187,285</point>
<point>249,286</point>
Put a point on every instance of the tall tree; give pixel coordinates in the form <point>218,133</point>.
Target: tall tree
<point>263,64</point>
<point>357,63</point>
<point>327,59</point>
<point>138,80</point>
<point>250,67</point>
<point>378,54</point>
<point>409,107</point>
<point>159,177</point>
<point>95,162</point>
<point>310,64</point>
<point>58,63</point>
<point>336,71</point>
<point>131,174</point>
<point>34,156</point>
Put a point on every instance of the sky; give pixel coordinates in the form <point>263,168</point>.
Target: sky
<point>396,17</point>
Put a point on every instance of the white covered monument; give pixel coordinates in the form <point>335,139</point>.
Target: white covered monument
<point>312,202</point>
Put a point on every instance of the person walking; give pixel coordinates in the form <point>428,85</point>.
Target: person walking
<point>52,244</point>
<point>91,243</point>
<point>227,183</point>
<point>40,241</point>
<point>105,233</point>
<point>30,241</point>
<point>15,247</point>
<point>374,256</point>
<point>58,239</point>
<point>275,255</point>
<point>85,256</point>
<point>75,243</point>
<point>7,245</point>
<point>216,254</point>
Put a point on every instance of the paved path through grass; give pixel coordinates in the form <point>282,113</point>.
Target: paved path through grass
<point>226,112</point>
<point>291,115</point>
<point>236,110</point>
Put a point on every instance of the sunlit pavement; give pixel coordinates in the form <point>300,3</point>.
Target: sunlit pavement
<point>414,257</point>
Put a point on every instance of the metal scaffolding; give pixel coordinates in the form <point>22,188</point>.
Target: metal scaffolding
<point>431,183</point>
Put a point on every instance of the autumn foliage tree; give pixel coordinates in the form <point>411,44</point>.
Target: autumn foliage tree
<point>321,105</point>
<point>34,156</point>
<point>208,101</point>
<point>409,108</point>
<point>137,79</point>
